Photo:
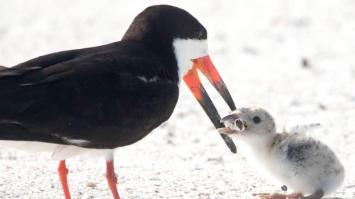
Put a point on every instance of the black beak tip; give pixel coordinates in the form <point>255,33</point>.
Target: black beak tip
<point>229,143</point>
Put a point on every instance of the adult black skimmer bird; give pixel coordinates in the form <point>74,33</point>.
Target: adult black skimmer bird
<point>97,99</point>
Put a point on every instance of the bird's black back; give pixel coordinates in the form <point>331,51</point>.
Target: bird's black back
<point>92,94</point>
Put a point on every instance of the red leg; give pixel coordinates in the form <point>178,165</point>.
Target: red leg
<point>63,172</point>
<point>111,178</point>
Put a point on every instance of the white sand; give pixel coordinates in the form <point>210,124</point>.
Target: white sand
<point>257,46</point>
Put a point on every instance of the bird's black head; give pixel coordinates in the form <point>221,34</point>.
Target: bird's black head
<point>180,41</point>
<point>160,24</point>
<point>170,32</point>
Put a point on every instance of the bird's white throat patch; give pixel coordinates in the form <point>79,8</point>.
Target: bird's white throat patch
<point>187,49</point>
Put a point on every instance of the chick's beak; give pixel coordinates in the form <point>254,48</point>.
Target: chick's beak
<point>192,80</point>
<point>226,131</point>
<point>246,125</point>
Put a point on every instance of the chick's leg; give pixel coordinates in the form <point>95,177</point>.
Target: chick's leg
<point>317,195</point>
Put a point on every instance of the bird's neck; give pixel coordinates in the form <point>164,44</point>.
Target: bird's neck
<point>166,56</point>
<point>143,31</point>
<point>257,145</point>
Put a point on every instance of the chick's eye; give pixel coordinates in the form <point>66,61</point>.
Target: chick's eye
<point>256,119</point>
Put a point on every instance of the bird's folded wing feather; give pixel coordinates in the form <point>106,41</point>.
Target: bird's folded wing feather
<point>303,128</point>
<point>67,93</point>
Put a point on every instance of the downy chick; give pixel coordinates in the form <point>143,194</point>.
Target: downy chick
<point>296,160</point>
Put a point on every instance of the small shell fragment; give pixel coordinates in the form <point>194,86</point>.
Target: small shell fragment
<point>239,125</point>
<point>90,184</point>
<point>234,124</point>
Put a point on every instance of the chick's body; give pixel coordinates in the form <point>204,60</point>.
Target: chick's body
<point>302,163</point>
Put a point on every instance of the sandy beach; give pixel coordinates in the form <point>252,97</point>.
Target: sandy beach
<point>295,58</point>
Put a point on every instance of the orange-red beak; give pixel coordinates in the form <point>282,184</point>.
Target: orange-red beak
<point>205,65</point>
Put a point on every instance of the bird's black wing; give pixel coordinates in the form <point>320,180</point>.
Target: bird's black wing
<point>109,96</point>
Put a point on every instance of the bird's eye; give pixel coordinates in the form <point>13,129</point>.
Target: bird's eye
<point>256,119</point>
<point>197,33</point>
